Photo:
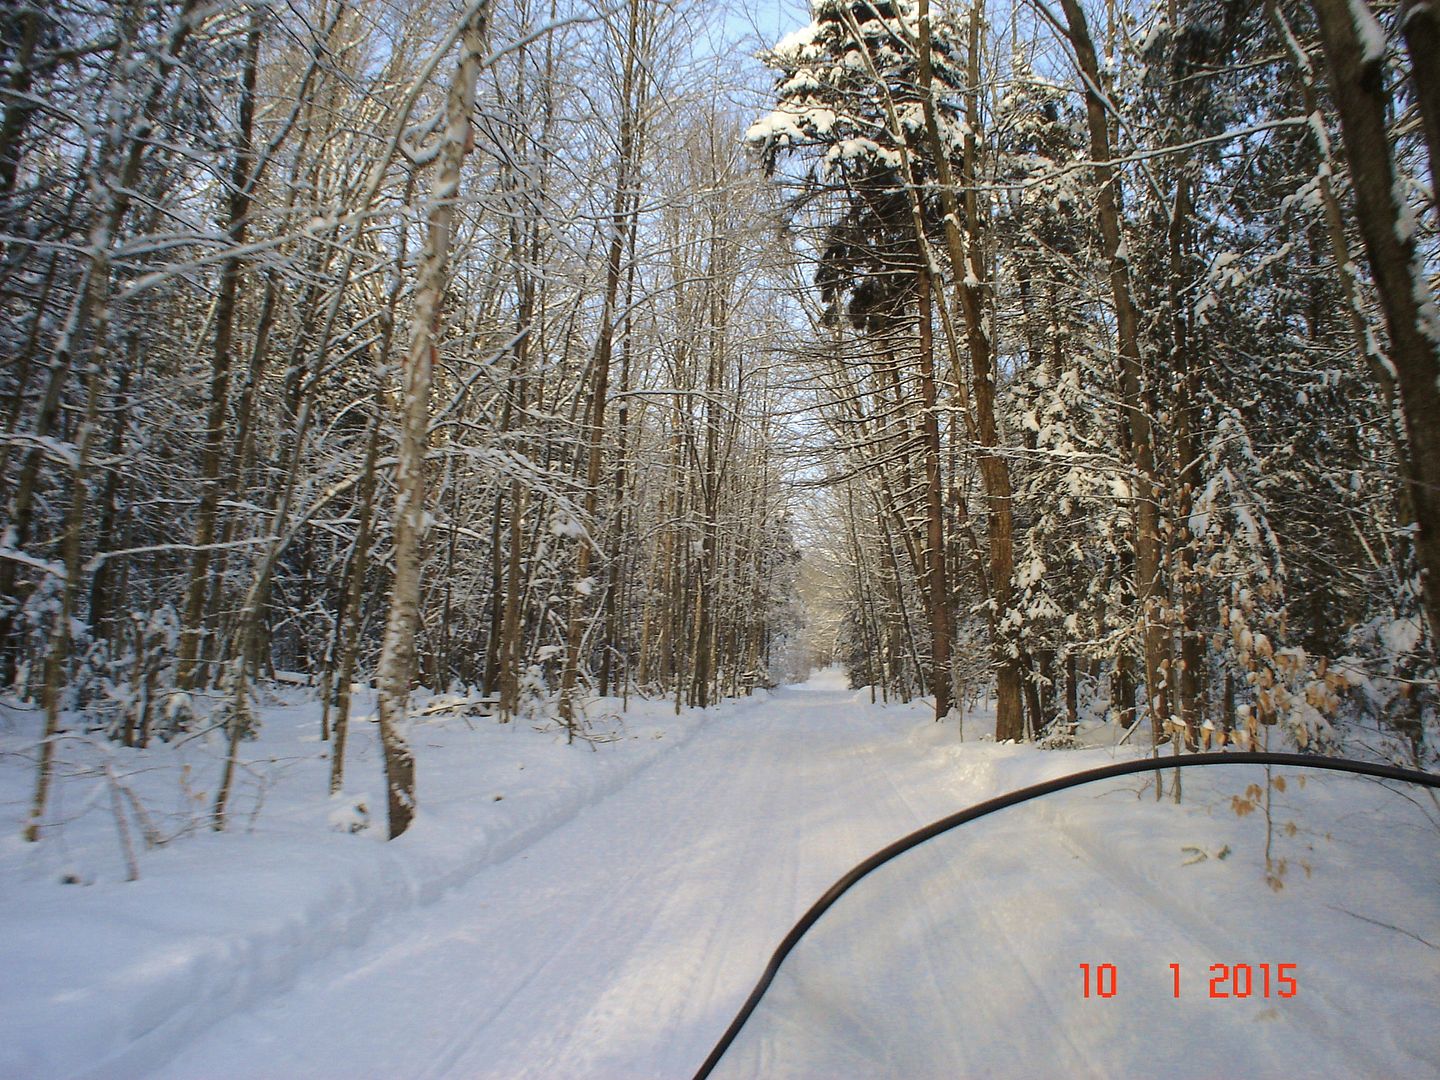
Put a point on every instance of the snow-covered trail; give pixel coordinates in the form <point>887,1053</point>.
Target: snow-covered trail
<point>614,935</point>
<point>621,943</point>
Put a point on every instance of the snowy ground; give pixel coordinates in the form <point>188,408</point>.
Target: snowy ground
<point>606,916</point>
<point>1094,933</point>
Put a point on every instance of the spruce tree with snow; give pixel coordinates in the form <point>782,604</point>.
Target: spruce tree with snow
<point>879,101</point>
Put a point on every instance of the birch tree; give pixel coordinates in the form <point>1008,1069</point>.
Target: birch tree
<point>397,654</point>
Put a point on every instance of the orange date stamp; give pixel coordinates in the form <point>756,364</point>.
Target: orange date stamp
<point>1227,981</point>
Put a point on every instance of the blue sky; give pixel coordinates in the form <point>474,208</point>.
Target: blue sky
<point>771,18</point>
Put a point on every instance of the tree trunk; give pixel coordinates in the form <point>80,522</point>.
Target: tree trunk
<point>350,617</point>
<point>397,653</point>
<point>939,588</point>
<point>58,652</point>
<point>1188,591</point>
<point>625,170</point>
<point>1072,691</point>
<point>968,266</point>
<point>237,222</point>
<point>1149,590</point>
<point>102,597</point>
<point>1357,78</point>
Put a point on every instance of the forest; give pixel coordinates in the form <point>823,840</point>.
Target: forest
<point>1081,356</point>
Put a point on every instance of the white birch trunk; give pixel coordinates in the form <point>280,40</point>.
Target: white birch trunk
<point>397,655</point>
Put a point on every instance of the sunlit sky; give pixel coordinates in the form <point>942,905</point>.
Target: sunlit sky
<point>763,21</point>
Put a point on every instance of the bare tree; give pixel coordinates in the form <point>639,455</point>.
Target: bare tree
<point>397,655</point>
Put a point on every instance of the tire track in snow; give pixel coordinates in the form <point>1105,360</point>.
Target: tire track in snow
<point>769,816</point>
<point>1009,957</point>
<point>620,943</point>
<point>551,956</point>
<point>520,1000</point>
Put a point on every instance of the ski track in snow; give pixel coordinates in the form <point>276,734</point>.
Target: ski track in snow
<point>621,943</point>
